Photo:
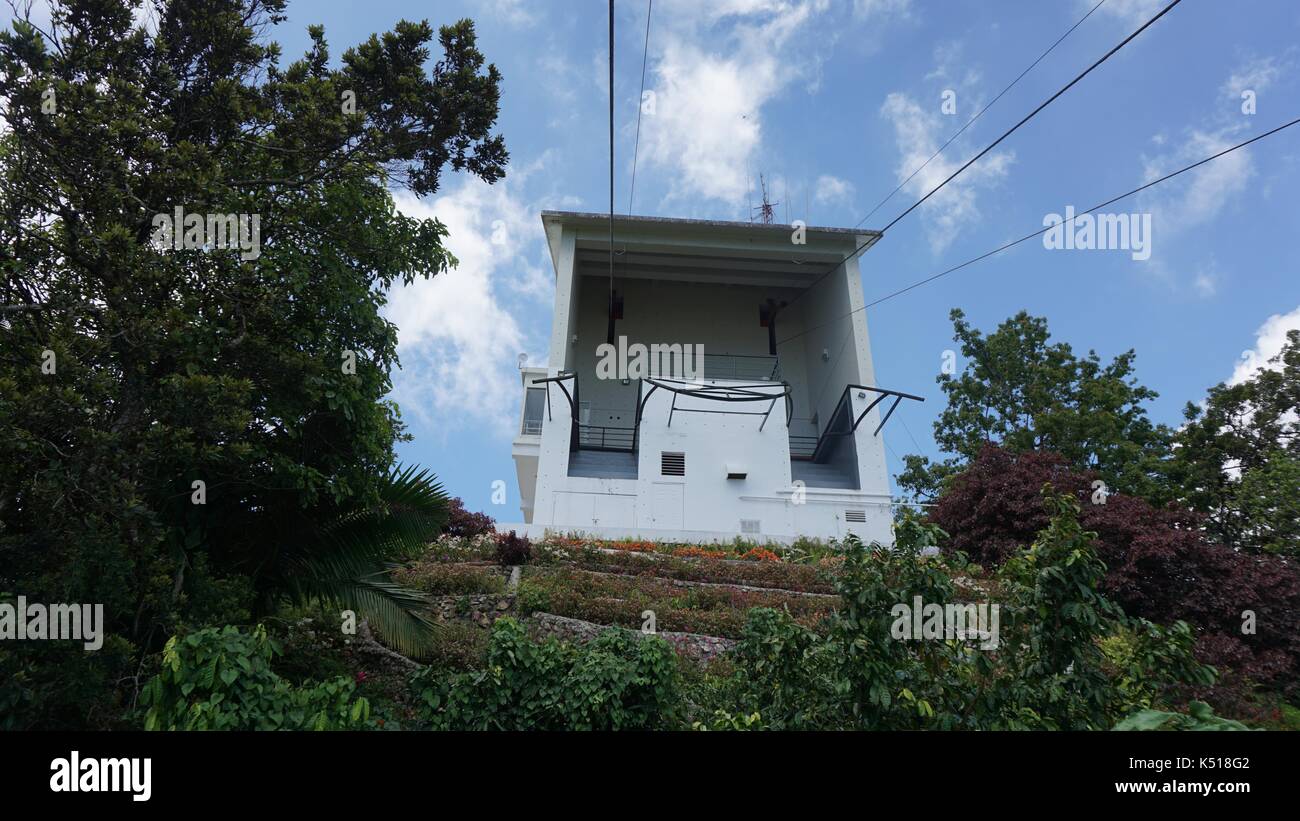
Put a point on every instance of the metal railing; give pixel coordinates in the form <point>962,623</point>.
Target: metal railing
<point>741,367</point>
<point>604,437</point>
<point>531,427</point>
<point>586,437</point>
<point>844,411</point>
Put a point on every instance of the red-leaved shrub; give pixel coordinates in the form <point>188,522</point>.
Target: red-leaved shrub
<point>462,523</point>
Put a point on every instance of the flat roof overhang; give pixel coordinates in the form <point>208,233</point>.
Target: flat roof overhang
<point>705,251</point>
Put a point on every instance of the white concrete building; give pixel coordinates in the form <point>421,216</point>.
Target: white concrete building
<point>753,409</point>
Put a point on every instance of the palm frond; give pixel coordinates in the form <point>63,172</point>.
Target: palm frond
<point>347,559</point>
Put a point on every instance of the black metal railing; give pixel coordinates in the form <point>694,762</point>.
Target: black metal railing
<point>839,424</point>
<point>604,437</point>
<point>587,437</point>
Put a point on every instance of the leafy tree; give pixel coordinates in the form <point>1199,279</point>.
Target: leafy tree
<point>1023,392</point>
<point>131,372</point>
<point>1238,459</point>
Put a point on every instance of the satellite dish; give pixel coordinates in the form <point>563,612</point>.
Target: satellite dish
<point>523,360</point>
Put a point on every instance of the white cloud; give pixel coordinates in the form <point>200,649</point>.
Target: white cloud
<point>1133,12</point>
<point>1201,194</point>
<point>718,65</point>
<point>833,190</point>
<point>1206,283</point>
<point>1269,339</point>
<point>882,9</point>
<point>919,132</point>
<point>512,12</point>
<point>457,340</point>
<point>1254,75</point>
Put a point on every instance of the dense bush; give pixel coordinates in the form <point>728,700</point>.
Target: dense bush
<point>618,681</point>
<point>513,549</point>
<point>444,579</point>
<point>462,523</point>
<point>1159,565</point>
<point>458,645</point>
<point>221,679</point>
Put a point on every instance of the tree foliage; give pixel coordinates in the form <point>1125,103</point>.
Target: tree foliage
<point>1024,392</point>
<point>261,378</point>
<point>1237,459</point>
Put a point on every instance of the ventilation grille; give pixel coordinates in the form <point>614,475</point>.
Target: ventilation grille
<point>859,516</point>
<point>672,464</point>
<point>751,526</point>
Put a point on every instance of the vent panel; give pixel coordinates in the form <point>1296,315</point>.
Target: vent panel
<point>858,516</point>
<point>672,464</point>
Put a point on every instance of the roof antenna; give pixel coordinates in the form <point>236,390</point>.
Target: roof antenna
<point>767,209</point>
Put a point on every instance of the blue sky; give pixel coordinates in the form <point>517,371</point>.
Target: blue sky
<point>835,103</point>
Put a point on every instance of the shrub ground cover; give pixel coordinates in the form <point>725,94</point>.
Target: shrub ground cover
<point>620,600</point>
<point>804,578</point>
<point>447,579</point>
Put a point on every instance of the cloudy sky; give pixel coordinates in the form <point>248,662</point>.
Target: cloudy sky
<point>836,103</point>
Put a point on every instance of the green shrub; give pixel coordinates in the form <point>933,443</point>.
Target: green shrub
<point>221,679</point>
<point>442,579</point>
<point>618,681</point>
<point>1198,717</point>
<point>458,646</point>
<point>1055,669</point>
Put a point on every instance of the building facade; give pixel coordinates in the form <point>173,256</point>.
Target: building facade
<point>719,384</point>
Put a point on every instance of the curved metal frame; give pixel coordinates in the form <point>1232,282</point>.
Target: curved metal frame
<point>718,393</point>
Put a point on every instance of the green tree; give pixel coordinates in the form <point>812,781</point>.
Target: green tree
<point>1238,458</point>
<point>132,373</point>
<point>1024,392</point>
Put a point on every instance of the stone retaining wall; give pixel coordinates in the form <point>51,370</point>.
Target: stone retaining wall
<point>481,608</point>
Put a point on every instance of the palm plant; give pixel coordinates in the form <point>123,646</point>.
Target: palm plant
<point>345,557</point>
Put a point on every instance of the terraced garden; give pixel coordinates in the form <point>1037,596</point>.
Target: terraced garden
<point>705,591</point>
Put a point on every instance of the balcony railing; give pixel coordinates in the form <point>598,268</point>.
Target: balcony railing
<point>598,437</point>
<point>741,367</point>
<point>531,427</point>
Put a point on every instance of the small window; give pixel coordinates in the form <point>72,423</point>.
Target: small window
<point>859,516</point>
<point>534,407</point>
<point>751,526</point>
<point>672,464</point>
